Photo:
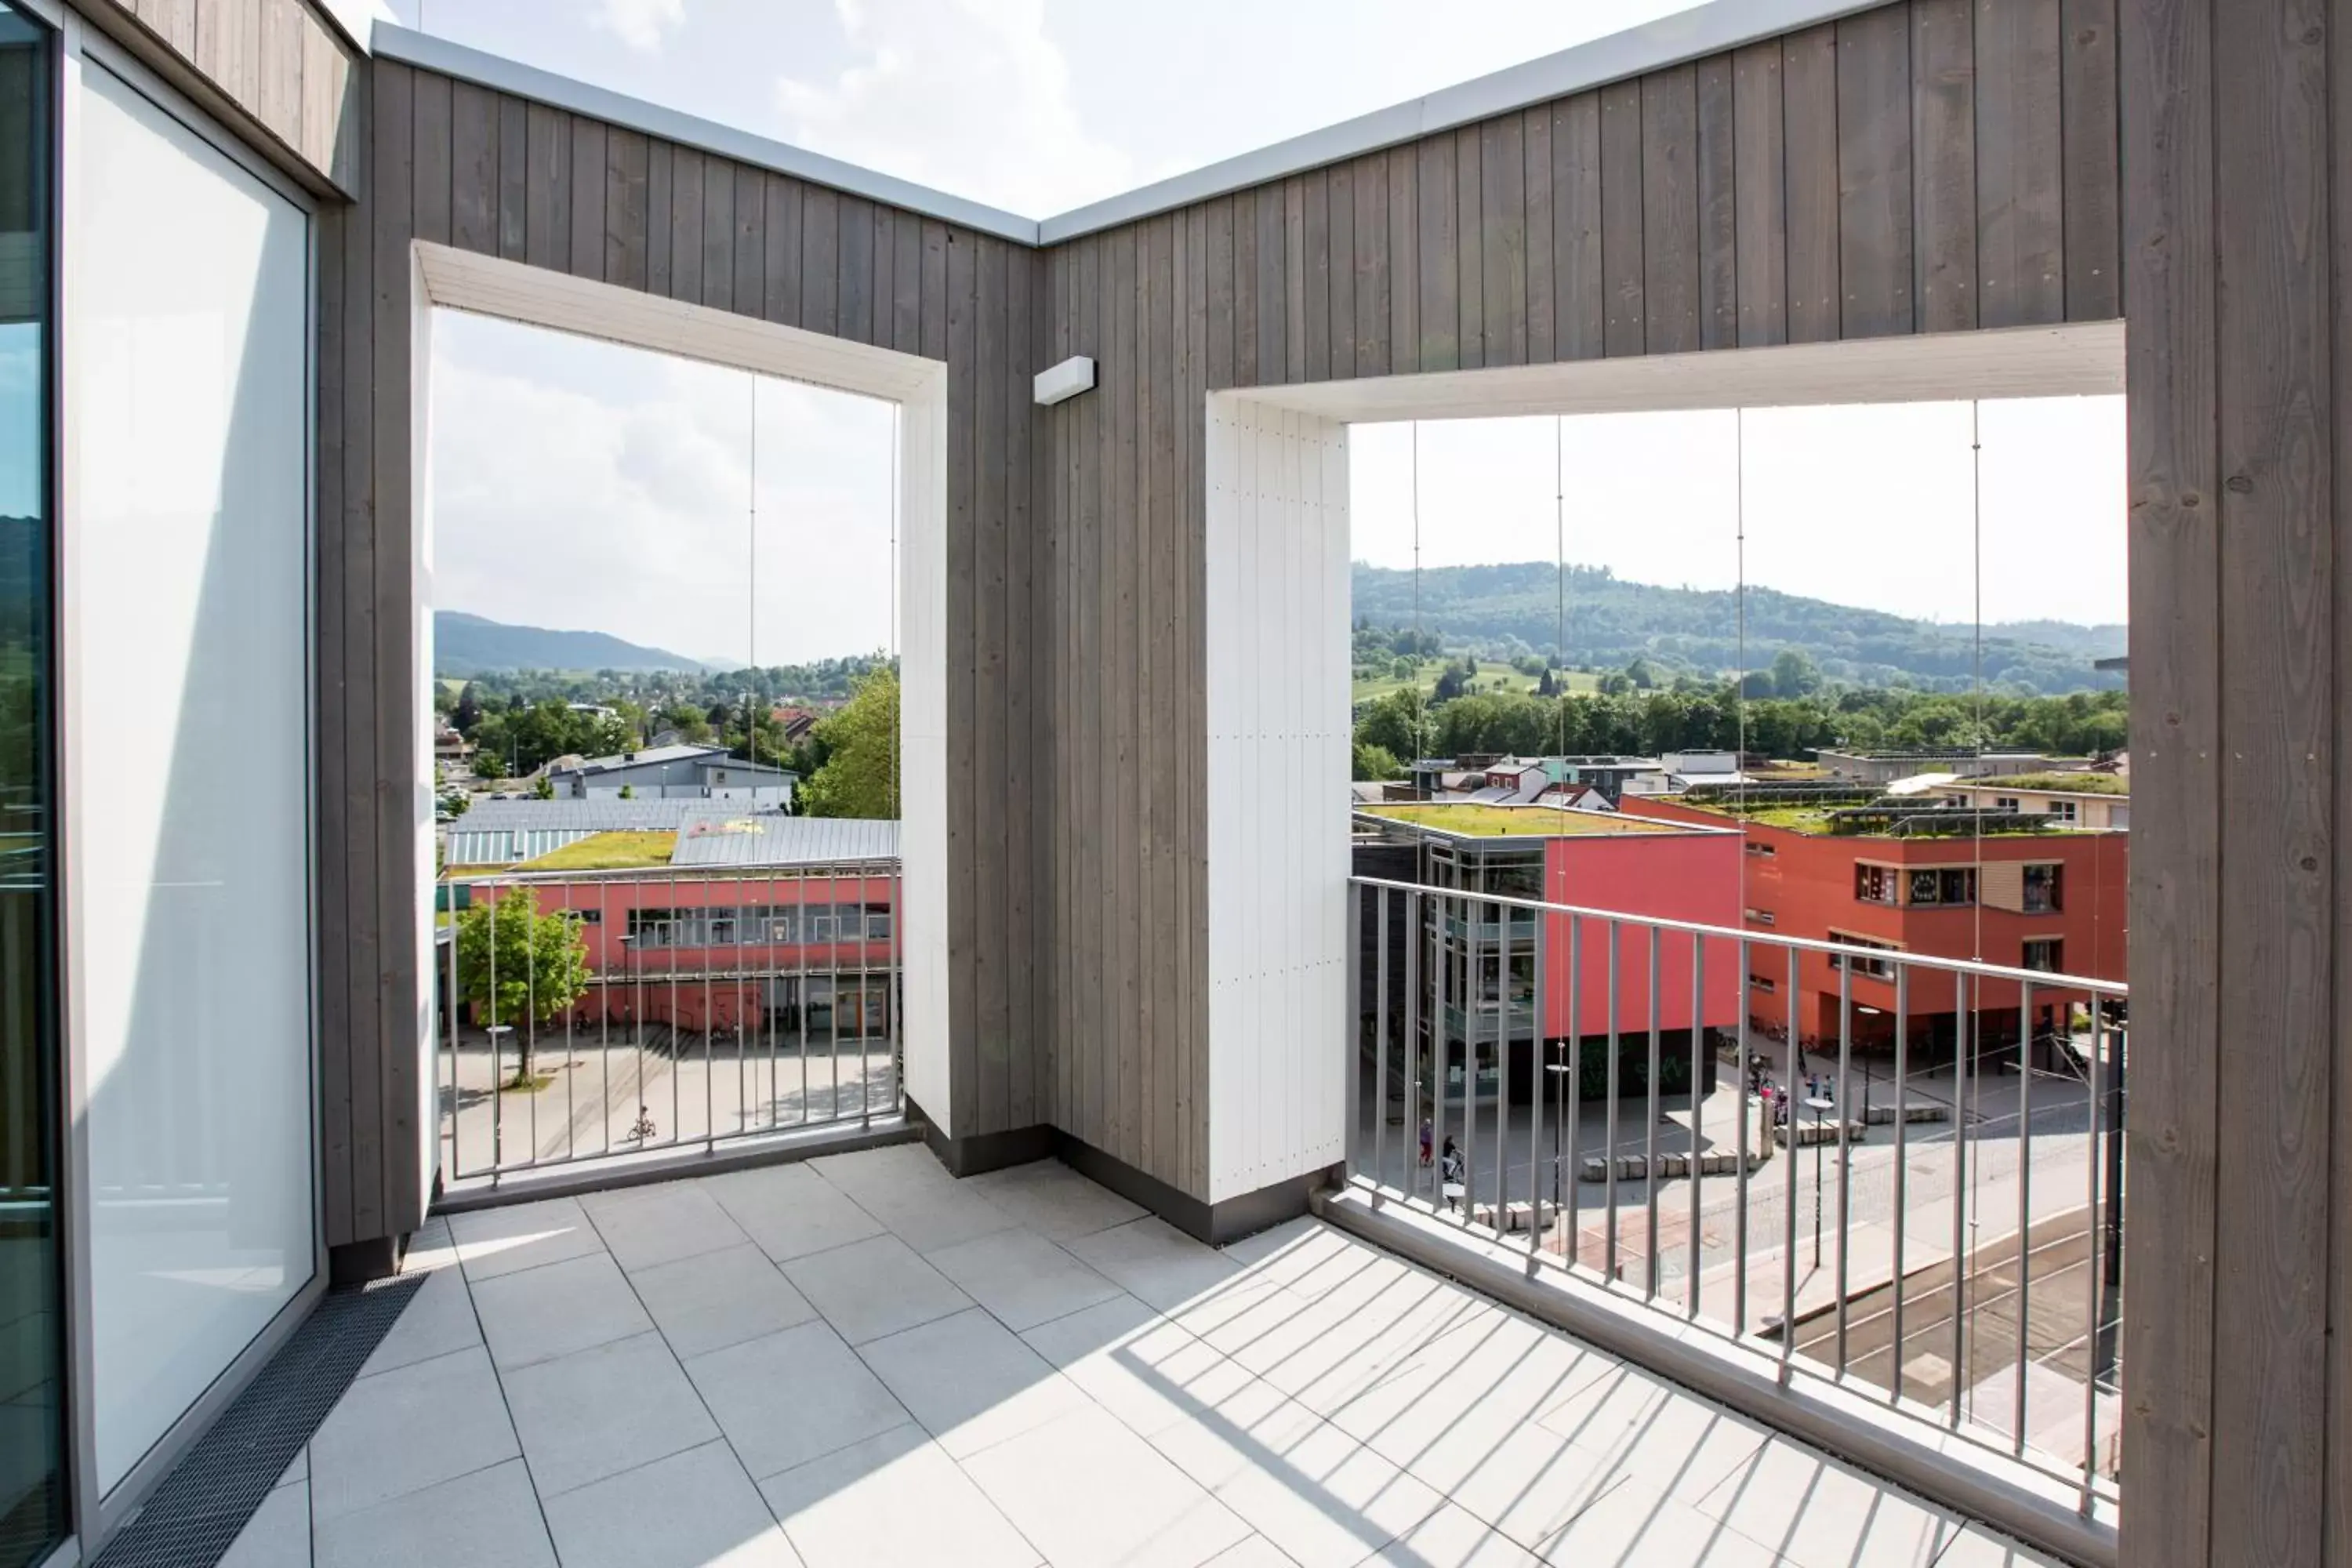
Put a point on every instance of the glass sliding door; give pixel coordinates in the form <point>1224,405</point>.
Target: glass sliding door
<point>186,580</point>
<point>32,1373</point>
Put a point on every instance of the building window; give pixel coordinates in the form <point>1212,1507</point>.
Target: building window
<point>1761,983</point>
<point>1944,885</point>
<point>1757,847</point>
<point>589,917</point>
<point>2006,803</point>
<point>1874,884</point>
<point>878,925</point>
<point>2046,954</point>
<point>2044,886</point>
<point>1874,968</point>
<point>1759,917</point>
<point>2064,810</point>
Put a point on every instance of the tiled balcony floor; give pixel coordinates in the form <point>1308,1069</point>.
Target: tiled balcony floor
<point>858,1361</point>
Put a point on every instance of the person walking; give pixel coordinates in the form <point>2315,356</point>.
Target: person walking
<point>1451,1173</point>
<point>1424,1139</point>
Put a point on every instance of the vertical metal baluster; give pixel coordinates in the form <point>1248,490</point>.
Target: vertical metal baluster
<point>742,1053</point>
<point>1789,1153</point>
<point>1961,1261</point>
<point>1652,1271</point>
<point>1352,1139</point>
<point>637,951</point>
<point>1416,937</point>
<point>527,1070</point>
<point>2092,1220</point>
<point>1379,1038</point>
<point>800,947</point>
<point>1739,1205</point>
<point>1474,987</point>
<point>1845,1148</point>
<point>1697,1115</point>
<point>604,1014</point>
<point>1902,1167</point>
<point>1505,944</point>
<point>1538,1085</point>
<point>498,1098</point>
<point>1441,1048</point>
<point>570,1110</point>
<point>709,1016</point>
<point>677,925</point>
<point>865,1023</point>
<point>1570,1109</point>
<point>833,967</point>
<point>2024,1203</point>
<point>456,1006</point>
<point>1609,1154</point>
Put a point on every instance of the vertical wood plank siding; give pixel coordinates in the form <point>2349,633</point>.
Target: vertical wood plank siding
<point>276,69</point>
<point>1833,183</point>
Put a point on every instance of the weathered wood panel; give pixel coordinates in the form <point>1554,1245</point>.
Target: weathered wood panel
<point>277,71</point>
<point>1580,286</point>
<point>1944,158</point>
<point>2089,134</point>
<point>2021,220</point>
<point>1718,215</point>
<point>1874,195</point>
<point>1809,157</point>
<point>1503,219</point>
<point>1760,195</point>
<point>1669,211</point>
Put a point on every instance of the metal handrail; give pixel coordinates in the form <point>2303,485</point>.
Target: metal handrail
<point>2044,978</point>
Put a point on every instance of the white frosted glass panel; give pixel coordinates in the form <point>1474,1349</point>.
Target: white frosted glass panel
<point>188,731</point>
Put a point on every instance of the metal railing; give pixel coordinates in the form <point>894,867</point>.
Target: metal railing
<point>1910,1187</point>
<point>582,1014</point>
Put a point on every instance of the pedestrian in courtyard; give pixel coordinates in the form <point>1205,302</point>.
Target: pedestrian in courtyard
<point>1424,1139</point>
<point>1450,1171</point>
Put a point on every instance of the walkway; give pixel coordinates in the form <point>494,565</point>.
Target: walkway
<point>858,1360</point>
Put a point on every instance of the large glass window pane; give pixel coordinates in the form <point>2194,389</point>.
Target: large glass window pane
<point>188,745</point>
<point>32,1406</point>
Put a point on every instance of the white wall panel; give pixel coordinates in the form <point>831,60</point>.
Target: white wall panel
<point>186,736</point>
<point>1277,619</point>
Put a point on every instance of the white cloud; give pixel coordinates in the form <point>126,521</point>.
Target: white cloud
<point>968,96</point>
<point>641,24</point>
<point>583,486</point>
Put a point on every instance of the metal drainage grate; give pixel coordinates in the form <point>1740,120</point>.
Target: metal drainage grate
<point>198,1512</point>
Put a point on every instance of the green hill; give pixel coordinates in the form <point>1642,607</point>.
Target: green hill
<point>471,645</point>
<point>1501,610</point>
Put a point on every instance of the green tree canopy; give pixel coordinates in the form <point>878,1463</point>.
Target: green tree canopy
<point>860,776</point>
<point>519,967</point>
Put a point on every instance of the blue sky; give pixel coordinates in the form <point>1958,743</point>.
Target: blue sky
<point>643,467</point>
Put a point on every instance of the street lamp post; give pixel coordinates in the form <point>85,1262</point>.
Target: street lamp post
<point>1819,1104</point>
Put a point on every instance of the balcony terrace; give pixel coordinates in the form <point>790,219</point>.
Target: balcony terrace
<point>858,1359</point>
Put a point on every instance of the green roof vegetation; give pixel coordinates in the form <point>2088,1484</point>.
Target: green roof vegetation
<point>2067,783</point>
<point>1477,820</point>
<point>1823,821</point>
<point>608,852</point>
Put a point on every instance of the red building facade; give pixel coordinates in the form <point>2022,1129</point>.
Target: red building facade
<point>2054,901</point>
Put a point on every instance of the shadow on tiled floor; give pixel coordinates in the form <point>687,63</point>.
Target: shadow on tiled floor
<point>859,1361</point>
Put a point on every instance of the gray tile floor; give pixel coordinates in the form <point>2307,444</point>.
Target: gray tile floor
<point>858,1361</point>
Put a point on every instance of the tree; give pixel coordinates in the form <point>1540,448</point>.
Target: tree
<point>542,788</point>
<point>860,776</point>
<point>520,968</point>
<point>1371,762</point>
<point>468,713</point>
<point>1794,673</point>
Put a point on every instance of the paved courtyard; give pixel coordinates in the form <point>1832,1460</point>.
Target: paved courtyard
<point>860,1361</point>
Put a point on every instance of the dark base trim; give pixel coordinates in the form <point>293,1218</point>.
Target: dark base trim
<point>983,1151</point>
<point>602,1175</point>
<point>363,1262</point>
<point>1215,1224</point>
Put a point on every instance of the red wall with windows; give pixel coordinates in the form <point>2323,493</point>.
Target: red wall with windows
<point>666,983</point>
<point>1802,885</point>
<point>1683,876</point>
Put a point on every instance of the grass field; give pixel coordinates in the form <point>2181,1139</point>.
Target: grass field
<point>1494,677</point>
<point>1482,821</point>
